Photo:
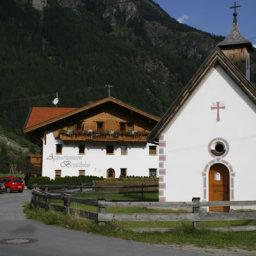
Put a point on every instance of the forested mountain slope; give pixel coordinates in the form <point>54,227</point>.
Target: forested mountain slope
<point>77,47</point>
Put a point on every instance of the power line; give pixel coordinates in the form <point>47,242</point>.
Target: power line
<point>36,97</point>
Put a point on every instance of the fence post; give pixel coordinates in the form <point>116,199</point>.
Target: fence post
<point>66,202</point>
<point>196,208</point>
<point>93,186</point>
<point>47,203</point>
<point>101,210</point>
<point>142,192</point>
<point>33,201</point>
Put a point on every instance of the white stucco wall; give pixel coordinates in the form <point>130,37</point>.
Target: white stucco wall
<point>187,138</point>
<point>95,161</point>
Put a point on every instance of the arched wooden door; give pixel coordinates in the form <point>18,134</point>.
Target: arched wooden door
<point>110,173</point>
<point>219,188</point>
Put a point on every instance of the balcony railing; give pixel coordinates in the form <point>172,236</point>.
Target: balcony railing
<point>35,160</point>
<point>90,135</point>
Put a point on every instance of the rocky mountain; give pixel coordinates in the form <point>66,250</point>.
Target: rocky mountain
<point>77,47</point>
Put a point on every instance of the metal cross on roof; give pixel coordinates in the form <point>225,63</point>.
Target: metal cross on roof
<point>235,7</point>
<point>109,86</point>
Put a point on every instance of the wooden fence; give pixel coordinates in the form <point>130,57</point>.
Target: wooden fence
<point>195,210</point>
<point>46,200</point>
<point>198,212</point>
<point>100,189</point>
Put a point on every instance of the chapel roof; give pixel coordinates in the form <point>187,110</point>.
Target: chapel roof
<point>235,39</point>
<point>216,58</point>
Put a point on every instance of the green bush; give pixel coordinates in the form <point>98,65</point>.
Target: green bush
<point>99,181</point>
<point>130,180</point>
<point>75,180</point>
<point>38,181</point>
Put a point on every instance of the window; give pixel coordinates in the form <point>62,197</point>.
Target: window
<point>217,176</point>
<point>5,179</point>
<point>152,172</point>
<point>152,150</point>
<point>124,150</point>
<point>218,147</point>
<point>123,172</point>
<point>110,150</point>
<point>100,126</point>
<point>81,149</point>
<point>58,149</point>
<point>111,173</point>
<point>130,127</point>
<point>18,180</point>
<point>122,126</point>
<point>57,173</point>
<point>81,172</point>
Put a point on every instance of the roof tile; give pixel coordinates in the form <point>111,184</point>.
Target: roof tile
<point>41,114</point>
<point>235,39</point>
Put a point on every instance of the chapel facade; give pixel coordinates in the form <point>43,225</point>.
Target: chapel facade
<point>207,138</point>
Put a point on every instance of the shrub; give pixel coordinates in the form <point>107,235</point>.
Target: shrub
<point>38,181</point>
<point>130,180</point>
<point>74,180</point>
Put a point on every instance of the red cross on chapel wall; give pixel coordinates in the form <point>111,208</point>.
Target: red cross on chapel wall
<point>217,106</point>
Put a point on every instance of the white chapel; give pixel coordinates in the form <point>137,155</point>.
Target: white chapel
<point>207,138</point>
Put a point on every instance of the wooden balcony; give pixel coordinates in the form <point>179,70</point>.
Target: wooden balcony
<point>36,160</point>
<point>103,136</point>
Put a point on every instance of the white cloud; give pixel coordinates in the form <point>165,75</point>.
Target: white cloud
<point>183,18</point>
<point>254,45</point>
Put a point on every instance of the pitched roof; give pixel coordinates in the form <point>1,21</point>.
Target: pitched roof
<point>39,115</point>
<point>235,39</point>
<point>43,122</point>
<point>217,57</point>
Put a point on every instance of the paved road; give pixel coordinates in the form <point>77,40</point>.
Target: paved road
<point>56,241</point>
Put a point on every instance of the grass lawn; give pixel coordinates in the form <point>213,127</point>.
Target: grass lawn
<point>183,234</point>
<point>115,197</point>
<point>145,224</point>
<point>202,225</point>
<point>118,197</point>
<point>150,196</point>
<point>126,210</point>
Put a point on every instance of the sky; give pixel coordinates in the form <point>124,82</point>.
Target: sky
<point>213,16</point>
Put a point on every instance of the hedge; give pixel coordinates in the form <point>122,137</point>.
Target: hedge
<point>130,180</point>
<point>99,181</point>
<point>75,180</point>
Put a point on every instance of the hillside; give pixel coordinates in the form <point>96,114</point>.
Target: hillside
<point>78,46</point>
<point>14,152</point>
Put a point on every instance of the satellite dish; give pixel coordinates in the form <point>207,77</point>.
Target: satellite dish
<point>56,100</point>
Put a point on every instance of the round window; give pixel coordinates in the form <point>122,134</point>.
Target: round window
<point>218,147</point>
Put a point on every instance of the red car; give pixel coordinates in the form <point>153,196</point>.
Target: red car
<point>12,183</point>
<point>2,187</point>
